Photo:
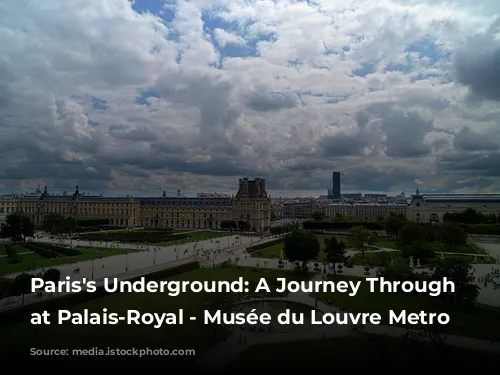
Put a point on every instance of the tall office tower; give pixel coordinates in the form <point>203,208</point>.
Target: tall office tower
<point>336,185</point>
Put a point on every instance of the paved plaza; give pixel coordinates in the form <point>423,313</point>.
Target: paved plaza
<point>208,252</point>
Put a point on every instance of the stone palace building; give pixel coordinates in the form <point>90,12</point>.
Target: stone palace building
<point>251,204</point>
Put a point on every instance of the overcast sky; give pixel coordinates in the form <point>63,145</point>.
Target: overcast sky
<point>139,97</point>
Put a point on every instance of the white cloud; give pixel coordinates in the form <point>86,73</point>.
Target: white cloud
<point>317,86</point>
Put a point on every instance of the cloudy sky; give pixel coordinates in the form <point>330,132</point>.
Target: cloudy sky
<point>127,97</point>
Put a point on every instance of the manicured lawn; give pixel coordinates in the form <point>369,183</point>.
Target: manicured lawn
<point>18,248</point>
<point>386,242</point>
<point>190,335</point>
<point>274,251</point>
<point>29,261</point>
<point>480,323</point>
<point>375,258</point>
<point>359,352</point>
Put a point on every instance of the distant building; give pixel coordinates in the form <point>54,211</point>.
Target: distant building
<point>301,209</point>
<point>375,196</point>
<point>365,211</point>
<point>335,192</point>
<point>352,196</point>
<point>432,207</point>
<point>213,195</point>
<point>252,204</point>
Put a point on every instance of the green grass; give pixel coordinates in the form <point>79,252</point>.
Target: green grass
<point>480,323</point>
<point>18,248</point>
<point>274,251</point>
<point>190,335</point>
<point>386,242</point>
<point>374,258</point>
<point>28,261</point>
<point>359,352</point>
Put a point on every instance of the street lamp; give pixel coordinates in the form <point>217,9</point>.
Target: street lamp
<point>126,260</point>
<point>92,267</point>
<point>154,257</point>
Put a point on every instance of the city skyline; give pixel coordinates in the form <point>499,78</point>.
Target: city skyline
<point>137,97</point>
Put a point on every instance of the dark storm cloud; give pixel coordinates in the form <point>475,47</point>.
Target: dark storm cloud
<point>404,131</point>
<point>467,140</point>
<point>487,164</point>
<point>342,144</point>
<point>377,179</point>
<point>264,102</point>
<point>477,65</point>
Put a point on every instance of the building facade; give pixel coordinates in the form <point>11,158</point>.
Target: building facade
<point>364,211</point>
<point>432,207</point>
<point>301,209</point>
<point>250,204</point>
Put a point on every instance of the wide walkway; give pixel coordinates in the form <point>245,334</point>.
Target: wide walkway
<point>128,265</point>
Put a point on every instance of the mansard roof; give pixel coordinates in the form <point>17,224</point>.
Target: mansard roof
<point>186,201</point>
<point>459,198</point>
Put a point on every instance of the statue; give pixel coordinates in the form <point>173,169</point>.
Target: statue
<point>418,263</point>
<point>442,256</point>
<point>392,262</point>
<point>282,254</point>
<point>410,262</point>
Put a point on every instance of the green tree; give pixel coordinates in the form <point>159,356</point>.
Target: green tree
<point>410,233</point>
<point>359,238</point>
<point>452,234</point>
<point>52,274</point>
<point>22,285</point>
<point>301,245</point>
<point>384,258</point>
<point>51,220</point>
<point>317,215</point>
<point>18,227</point>
<point>68,225</point>
<point>243,226</point>
<point>273,215</point>
<point>229,224</point>
<point>335,251</point>
<point>419,250</point>
<point>458,271</point>
<point>394,223</point>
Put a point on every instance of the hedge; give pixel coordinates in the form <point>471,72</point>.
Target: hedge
<point>264,245</point>
<point>342,225</point>
<point>58,249</point>
<point>493,229</point>
<point>49,254</point>
<point>61,303</point>
<point>91,221</point>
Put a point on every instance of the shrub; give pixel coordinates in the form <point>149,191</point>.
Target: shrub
<point>58,249</point>
<point>49,254</point>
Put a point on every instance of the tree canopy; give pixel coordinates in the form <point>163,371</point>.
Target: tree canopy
<point>335,251</point>
<point>301,245</point>
<point>17,227</point>
<point>359,238</point>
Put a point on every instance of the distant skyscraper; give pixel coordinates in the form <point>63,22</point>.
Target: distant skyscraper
<point>336,194</point>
